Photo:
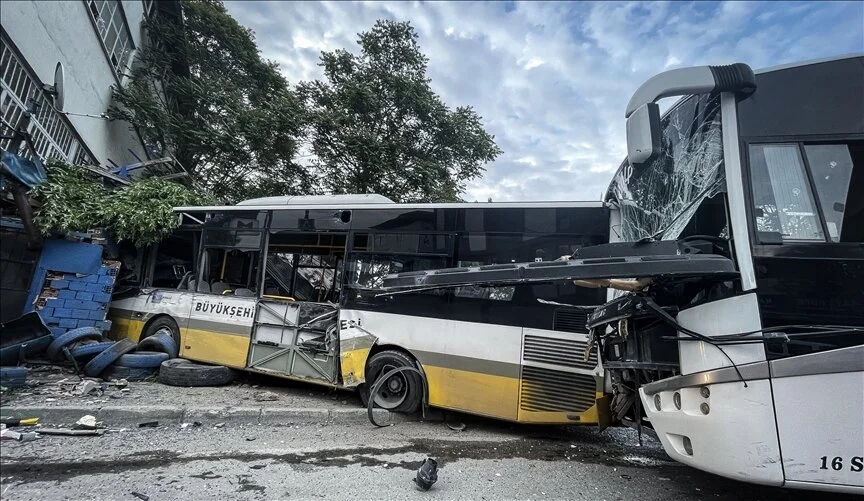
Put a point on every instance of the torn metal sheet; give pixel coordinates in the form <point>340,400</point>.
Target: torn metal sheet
<point>679,266</point>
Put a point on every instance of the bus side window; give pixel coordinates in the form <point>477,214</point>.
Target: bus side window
<point>839,178</point>
<point>782,199</point>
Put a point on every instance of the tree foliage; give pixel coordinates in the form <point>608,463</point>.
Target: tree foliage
<point>376,125</point>
<point>201,91</point>
<point>75,200</point>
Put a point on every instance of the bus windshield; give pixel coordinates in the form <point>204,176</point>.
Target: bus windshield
<point>658,199</point>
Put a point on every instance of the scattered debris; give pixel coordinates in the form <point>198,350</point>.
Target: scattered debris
<point>249,439</point>
<point>7,434</point>
<point>86,387</point>
<point>116,396</point>
<point>183,426</point>
<point>426,475</point>
<point>70,432</point>
<point>20,422</point>
<point>218,425</point>
<point>87,422</point>
<point>142,497</point>
<point>149,424</point>
<point>258,466</point>
<point>626,477</point>
<point>456,426</point>
<point>265,396</point>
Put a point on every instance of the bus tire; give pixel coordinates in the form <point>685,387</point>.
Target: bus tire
<point>142,359</point>
<point>182,372</point>
<point>101,361</point>
<point>162,325</point>
<point>161,341</point>
<point>55,349</point>
<point>406,392</point>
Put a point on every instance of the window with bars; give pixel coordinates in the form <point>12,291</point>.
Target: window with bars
<point>113,30</point>
<point>52,135</point>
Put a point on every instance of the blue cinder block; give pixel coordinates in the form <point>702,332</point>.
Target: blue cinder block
<point>68,323</point>
<point>66,294</point>
<point>86,323</point>
<point>105,325</point>
<point>92,279</point>
<point>78,286</point>
<point>53,302</point>
<point>84,296</point>
<point>81,314</point>
<point>73,304</point>
<point>94,288</point>
<point>97,315</point>
<point>90,305</point>
<point>46,312</point>
<point>101,297</point>
<point>62,312</point>
<point>58,331</point>
<point>106,280</point>
<point>60,284</point>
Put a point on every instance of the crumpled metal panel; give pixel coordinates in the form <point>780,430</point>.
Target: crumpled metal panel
<point>658,199</point>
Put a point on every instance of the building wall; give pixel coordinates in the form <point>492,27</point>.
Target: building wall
<point>47,32</point>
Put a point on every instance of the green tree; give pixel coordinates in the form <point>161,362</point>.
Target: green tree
<point>376,126</point>
<point>201,91</point>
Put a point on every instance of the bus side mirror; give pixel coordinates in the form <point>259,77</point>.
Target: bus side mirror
<point>643,133</point>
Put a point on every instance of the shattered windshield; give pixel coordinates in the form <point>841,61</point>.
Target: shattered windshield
<point>658,199</point>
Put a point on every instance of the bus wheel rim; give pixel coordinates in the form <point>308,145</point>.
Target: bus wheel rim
<point>393,392</point>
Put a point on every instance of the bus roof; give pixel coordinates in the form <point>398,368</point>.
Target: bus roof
<point>397,206</point>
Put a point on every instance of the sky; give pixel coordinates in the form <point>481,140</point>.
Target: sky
<point>551,79</point>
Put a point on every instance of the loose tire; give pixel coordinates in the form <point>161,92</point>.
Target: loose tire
<point>162,325</point>
<point>402,392</point>
<point>181,372</point>
<point>128,373</point>
<point>142,359</point>
<point>101,361</point>
<point>13,377</point>
<point>89,350</point>
<point>161,341</point>
<point>55,349</point>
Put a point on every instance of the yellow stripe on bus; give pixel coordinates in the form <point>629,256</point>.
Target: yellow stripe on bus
<point>493,396</point>
<point>214,347</point>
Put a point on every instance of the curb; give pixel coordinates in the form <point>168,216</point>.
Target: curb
<point>132,416</point>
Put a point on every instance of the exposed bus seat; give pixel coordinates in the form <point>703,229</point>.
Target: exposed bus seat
<point>219,287</point>
<point>202,286</point>
<point>244,292</point>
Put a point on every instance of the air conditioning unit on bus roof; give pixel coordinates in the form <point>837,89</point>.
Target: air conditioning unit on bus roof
<point>348,199</point>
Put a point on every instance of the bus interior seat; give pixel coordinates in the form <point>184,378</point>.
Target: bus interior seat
<point>219,287</point>
<point>244,292</point>
<point>202,286</point>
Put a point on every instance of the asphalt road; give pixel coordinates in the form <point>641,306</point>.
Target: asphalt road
<point>488,460</point>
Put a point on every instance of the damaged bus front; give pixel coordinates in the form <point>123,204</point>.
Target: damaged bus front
<point>735,326</point>
<point>759,377</point>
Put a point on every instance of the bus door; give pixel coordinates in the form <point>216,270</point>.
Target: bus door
<point>296,332</point>
<point>225,297</point>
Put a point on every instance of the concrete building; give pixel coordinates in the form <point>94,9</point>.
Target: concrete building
<point>94,41</point>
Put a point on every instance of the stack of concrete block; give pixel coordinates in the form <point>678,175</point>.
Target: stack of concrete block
<point>70,300</point>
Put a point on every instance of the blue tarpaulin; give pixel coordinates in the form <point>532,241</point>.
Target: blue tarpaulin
<point>30,173</point>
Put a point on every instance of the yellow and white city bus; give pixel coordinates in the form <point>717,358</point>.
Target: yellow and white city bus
<point>291,287</point>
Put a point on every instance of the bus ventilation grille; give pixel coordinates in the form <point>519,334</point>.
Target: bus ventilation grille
<point>569,321</point>
<point>564,352</point>
<point>545,390</point>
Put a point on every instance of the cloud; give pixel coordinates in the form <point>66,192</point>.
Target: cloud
<point>551,80</point>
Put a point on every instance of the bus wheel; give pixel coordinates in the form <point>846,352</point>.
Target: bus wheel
<point>165,326</point>
<point>401,392</point>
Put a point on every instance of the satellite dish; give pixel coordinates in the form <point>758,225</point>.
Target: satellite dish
<point>57,90</point>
